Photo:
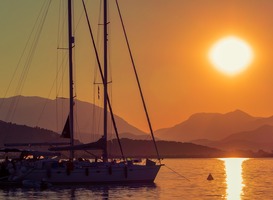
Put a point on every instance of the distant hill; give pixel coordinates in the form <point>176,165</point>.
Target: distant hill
<point>13,133</point>
<point>258,139</point>
<point>212,126</point>
<point>52,114</point>
<point>142,148</point>
<point>229,131</point>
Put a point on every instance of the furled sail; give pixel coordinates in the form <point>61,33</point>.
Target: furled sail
<point>66,129</point>
<point>100,144</point>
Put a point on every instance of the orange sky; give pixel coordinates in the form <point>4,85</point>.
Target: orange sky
<point>170,41</point>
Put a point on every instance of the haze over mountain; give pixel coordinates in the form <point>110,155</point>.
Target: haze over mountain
<point>213,126</point>
<point>18,134</point>
<point>52,114</point>
<point>230,131</point>
<point>255,140</point>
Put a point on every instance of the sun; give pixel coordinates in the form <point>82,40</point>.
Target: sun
<point>231,55</point>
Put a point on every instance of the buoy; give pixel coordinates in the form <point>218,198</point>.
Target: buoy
<point>210,177</point>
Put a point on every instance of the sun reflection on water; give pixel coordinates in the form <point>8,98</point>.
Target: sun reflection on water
<point>234,179</point>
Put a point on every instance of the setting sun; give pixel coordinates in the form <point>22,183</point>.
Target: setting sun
<point>231,55</point>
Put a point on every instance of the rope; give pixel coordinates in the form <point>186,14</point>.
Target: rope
<point>102,77</point>
<point>177,173</point>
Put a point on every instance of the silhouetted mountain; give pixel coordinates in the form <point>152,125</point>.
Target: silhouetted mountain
<point>52,114</point>
<point>142,148</point>
<point>212,126</point>
<point>13,133</point>
<point>233,130</point>
<point>258,139</point>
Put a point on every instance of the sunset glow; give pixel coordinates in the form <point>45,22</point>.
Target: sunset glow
<point>171,48</point>
<point>118,99</point>
<point>231,55</point>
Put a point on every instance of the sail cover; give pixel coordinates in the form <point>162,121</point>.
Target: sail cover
<point>66,130</point>
<point>100,144</point>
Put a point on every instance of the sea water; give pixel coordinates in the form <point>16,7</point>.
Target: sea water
<point>233,179</point>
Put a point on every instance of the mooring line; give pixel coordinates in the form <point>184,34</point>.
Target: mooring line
<point>177,173</point>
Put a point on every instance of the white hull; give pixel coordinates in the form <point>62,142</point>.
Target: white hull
<point>93,174</point>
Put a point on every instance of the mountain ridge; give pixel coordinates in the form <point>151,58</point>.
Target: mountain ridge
<point>255,140</point>
<point>212,126</point>
<point>41,112</point>
<point>227,131</point>
<point>14,133</point>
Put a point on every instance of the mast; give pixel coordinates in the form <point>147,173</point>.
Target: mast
<point>70,61</point>
<point>105,80</point>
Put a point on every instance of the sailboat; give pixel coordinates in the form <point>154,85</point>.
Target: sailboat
<point>84,171</point>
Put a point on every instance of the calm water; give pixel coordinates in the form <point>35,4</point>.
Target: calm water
<point>234,179</point>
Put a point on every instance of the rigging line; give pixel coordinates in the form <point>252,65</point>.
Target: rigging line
<point>77,131</point>
<point>102,77</point>
<point>63,72</point>
<point>13,105</point>
<point>177,173</point>
<point>60,42</point>
<point>79,20</point>
<point>96,115</point>
<point>99,41</point>
<point>100,69</point>
<point>61,58</point>
<point>91,154</point>
<point>109,41</point>
<point>138,82</point>
<point>33,48</point>
<point>21,57</point>
<point>74,72</point>
<point>74,55</point>
<point>62,12</point>
<point>47,100</point>
<point>27,65</point>
<point>57,63</point>
<point>93,113</point>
